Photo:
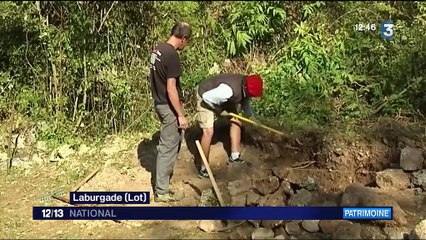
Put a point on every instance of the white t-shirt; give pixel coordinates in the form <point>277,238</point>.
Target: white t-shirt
<point>221,94</point>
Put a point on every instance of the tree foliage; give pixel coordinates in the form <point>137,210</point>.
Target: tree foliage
<point>82,66</point>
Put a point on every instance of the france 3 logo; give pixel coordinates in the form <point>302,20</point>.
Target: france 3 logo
<point>386,30</point>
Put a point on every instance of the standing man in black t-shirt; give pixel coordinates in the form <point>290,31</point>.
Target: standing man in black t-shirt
<point>165,73</point>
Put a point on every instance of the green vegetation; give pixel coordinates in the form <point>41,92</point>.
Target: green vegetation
<point>80,67</point>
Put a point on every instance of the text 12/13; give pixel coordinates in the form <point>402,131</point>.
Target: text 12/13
<point>52,213</point>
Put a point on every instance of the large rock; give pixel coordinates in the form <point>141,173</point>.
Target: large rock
<point>270,223</point>
<point>280,172</point>
<point>309,184</point>
<point>36,158</point>
<point>238,191</point>
<point>296,177</point>
<point>267,185</point>
<point>311,225</point>
<point>330,226</point>
<point>411,159</point>
<point>420,230</point>
<point>17,162</point>
<point>262,233</point>
<point>252,198</point>
<point>83,149</point>
<point>300,199</point>
<point>41,146</point>
<point>54,156</point>
<point>393,233</point>
<point>286,189</point>
<point>293,228</point>
<point>242,232</point>
<point>372,232</point>
<point>349,231</point>
<point>209,225</point>
<point>392,179</point>
<point>275,199</point>
<point>280,231</point>
<point>238,186</point>
<point>65,151</point>
<point>357,195</point>
<point>419,179</point>
<point>255,223</point>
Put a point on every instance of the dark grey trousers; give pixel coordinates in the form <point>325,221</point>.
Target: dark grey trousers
<point>167,148</point>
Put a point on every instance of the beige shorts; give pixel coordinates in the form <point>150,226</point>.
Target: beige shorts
<point>205,117</point>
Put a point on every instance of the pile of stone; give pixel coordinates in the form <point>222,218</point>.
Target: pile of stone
<point>412,173</point>
<point>305,187</point>
<point>285,188</point>
<point>305,194</point>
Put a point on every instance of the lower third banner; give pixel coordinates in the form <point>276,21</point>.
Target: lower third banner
<point>212,213</point>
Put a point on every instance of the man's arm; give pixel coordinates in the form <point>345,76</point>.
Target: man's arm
<point>174,96</point>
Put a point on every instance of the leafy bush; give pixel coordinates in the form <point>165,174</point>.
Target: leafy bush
<point>83,67</point>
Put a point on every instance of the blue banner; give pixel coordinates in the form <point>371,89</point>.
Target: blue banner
<point>109,197</point>
<point>209,213</point>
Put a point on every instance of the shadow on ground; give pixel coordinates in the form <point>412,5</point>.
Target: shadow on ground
<point>147,149</point>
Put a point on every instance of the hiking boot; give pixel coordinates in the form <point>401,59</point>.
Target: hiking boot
<point>239,160</point>
<point>169,197</point>
<point>203,173</point>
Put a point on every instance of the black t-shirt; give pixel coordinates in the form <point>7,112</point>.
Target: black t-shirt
<point>164,64</point>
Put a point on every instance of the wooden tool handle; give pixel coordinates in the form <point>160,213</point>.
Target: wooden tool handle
<point>75,189</point>
<point>206,164</point>
<point>256,123</point>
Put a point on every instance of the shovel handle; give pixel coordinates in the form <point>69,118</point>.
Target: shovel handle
<point>256,123</point>
<point>206,164</point>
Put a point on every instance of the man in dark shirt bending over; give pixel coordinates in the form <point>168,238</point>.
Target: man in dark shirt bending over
<point>218,95</point>
<point>165,72</point>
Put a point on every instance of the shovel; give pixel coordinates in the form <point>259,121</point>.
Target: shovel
<point>255,123</point>
<point>264,127</point>
<point>182,143</point>
<point>216,190</point>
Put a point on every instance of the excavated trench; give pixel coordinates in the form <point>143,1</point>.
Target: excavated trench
<point>317,169</point>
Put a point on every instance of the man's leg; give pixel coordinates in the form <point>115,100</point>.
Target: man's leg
<point>206,140</point>
<point>167,152</point>
<point>205,119</point>
<point>235,134</point>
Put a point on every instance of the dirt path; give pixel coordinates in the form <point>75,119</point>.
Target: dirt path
<point>19,195</point>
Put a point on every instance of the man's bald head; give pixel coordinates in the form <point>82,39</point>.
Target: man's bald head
<point>182,30</point>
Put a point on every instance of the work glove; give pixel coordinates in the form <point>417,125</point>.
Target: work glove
<point>224,113</point>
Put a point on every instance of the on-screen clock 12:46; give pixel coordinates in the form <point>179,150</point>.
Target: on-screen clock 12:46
<point>386,30</point>
<point>365,27</point>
